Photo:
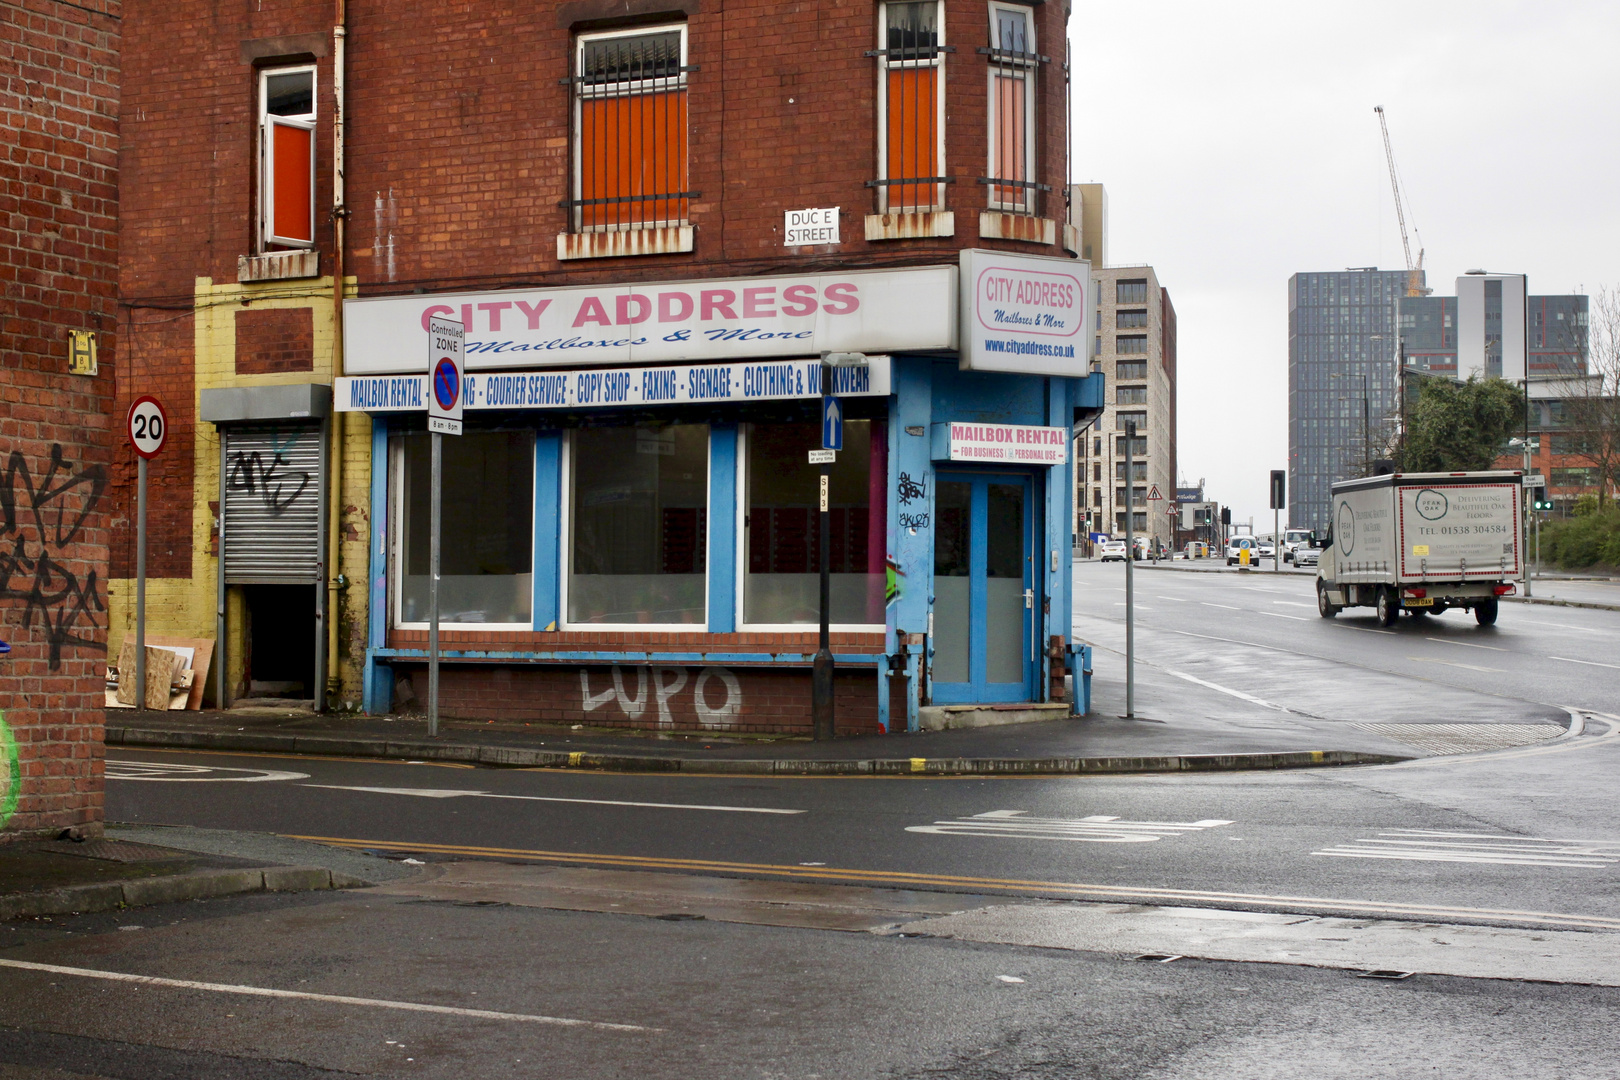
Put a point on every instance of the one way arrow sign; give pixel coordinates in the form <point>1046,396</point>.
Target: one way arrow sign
<point>832,424</point>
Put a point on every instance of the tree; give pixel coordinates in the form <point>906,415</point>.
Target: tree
<point>1460,427</point>
<point>1590,407</point>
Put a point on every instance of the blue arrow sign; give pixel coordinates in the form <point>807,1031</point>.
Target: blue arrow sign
<point>832,424</point>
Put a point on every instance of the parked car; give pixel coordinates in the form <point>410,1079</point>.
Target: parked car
<point>1112,551</point>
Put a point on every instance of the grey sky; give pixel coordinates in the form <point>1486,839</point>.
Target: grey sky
<point>1238,145</point>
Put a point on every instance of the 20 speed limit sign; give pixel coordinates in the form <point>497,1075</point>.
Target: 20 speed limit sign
<point>148,426</point>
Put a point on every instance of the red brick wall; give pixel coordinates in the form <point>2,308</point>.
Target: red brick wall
<point>273,340</point>
<point>58,256</point>
<point>734,698</point>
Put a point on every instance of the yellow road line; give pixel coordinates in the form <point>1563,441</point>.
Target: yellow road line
<point>908,879</point>
<point>122,748</point>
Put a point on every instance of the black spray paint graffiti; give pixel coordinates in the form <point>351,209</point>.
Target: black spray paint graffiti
<point>249,473</point>
<point>914,521</point>
<point>38,523</point>
<point>908,489</point>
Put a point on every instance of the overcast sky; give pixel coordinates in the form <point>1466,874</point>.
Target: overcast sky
<point>1238,145</point>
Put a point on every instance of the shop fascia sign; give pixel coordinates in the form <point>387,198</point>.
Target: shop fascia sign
<point>1014,444</point>
<point>713,319</point>
<point>669,384</point>
<point>1025,314</point>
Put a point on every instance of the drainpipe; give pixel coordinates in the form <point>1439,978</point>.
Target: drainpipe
<point>334,517</point>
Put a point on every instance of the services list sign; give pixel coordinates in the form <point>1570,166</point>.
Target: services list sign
<point>1025,314</point>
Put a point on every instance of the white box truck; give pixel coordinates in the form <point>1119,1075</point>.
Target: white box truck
<point>1422,543</point>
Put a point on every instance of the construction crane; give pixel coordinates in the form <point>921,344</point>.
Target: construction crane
<point>1414,270</point>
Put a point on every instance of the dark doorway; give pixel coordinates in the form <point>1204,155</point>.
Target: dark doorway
<point>281,641</point>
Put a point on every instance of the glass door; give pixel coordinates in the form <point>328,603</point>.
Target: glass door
<point>984,599</point>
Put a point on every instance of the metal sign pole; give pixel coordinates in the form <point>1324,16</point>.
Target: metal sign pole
<point>433,589</point>
<point>1130,575</point>
<point>822,721</point>
<point>140,584</point>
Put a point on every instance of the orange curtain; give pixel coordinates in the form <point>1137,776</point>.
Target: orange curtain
<point>1011,162</point>
<point>913,136</point>
<point>292,182</point>
<point>633,145</point>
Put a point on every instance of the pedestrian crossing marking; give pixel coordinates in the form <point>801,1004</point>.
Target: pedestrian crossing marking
<point>1426,845</point>
<point>1098,829</point>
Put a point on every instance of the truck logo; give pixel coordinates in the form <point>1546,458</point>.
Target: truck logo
<point>1431,504</point>
<point>1346,533</point>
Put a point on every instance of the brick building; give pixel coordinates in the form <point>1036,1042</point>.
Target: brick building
<point>600,191</point>
<point>58,317</point>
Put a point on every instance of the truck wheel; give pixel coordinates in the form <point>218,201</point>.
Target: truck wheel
<point>1388,609</point>
<point>1485,612</point>
<point>1323,607</point>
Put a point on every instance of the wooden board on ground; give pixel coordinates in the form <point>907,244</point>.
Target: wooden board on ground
<point>189,694</point>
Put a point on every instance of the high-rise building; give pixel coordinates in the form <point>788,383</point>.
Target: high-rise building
<point>1343,365</point>
<point>1554,333</point>
<point>1136,349</point>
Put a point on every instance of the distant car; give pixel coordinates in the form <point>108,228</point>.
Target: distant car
<point>1238,544</point>
<point>1293,541</point>
<point>1268,550</point>
<point>1112,551</point>
<point>1306,556</point>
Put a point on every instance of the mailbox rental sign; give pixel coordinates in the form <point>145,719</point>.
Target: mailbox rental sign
<point>1025,314</point>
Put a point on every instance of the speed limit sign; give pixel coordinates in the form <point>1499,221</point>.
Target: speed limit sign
<point>148,426</point>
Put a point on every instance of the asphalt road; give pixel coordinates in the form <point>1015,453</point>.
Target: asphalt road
<point>1259,634</point>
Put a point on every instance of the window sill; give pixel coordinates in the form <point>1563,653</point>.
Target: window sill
<point>661,240</point>
<point>1001,225</point>
<point>278,266</point>
<point>913,225</point>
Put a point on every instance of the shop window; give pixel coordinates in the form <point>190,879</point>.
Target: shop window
<point>1012,64</point>
<point>782,526</point>
<point>638,526</point>
<point>630,125</point>
<point>287,157</point>
<point>486,523</point>
<point>911,148</point>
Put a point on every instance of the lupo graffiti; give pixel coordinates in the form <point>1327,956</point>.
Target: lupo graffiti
<point>36,532</point>
<point>709,716</point>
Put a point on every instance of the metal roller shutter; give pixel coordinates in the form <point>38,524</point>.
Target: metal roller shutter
<point>273,505</point>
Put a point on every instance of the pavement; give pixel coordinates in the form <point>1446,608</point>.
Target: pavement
<point>144,865</point>
<point>1101,743</point>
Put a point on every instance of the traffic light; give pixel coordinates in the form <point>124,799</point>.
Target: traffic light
<point>1226,515</point>
<point>1542,504</point>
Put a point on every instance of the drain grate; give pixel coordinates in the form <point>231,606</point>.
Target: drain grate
<point>1465,738</point>
<point>1158,958</point>
<point>1385,973</point>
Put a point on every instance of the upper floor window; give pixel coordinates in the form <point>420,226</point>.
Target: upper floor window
<point>287,157</point>
<point>1012,109</point>
<point>1130,395</point>
<point>911,144</point>
<point>1130,369</point>
<point>1131,343</point>
<point>1131,292</point>
<point>630,168</point>
<point>1129,319</point>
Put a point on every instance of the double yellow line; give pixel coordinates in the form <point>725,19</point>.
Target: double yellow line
<point>901,879</point>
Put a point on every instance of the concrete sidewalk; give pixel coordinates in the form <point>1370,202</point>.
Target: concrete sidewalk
<point>1100,744</point>
<point>137,866</point>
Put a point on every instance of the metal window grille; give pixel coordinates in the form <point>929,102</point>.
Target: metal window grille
<point>630,131</point>
<point>1013,63</point>
<point>911,63</point>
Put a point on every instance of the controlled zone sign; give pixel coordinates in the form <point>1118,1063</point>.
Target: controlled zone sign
<point>445,397</point>
<point>147,426</point>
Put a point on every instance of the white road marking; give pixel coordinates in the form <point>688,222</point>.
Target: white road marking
<point>1228,607</point>
<point>1228,690</point>
<point>1589,663</point>
<point>1293,603</point>
<point>1452,663</point>
<point>1362,629</point>
<point>1177,599</point>
<point>301,995</point>
<point>1466,644</point>
<point>171,772</point>
<point>1426,845</point>
<point>1099,829</point>
<point>451,793</point>
<point>1280,615</point>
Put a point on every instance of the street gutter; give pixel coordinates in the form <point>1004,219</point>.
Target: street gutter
<point>524,758</point>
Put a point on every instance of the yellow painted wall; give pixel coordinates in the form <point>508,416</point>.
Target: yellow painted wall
<point>186,606</point>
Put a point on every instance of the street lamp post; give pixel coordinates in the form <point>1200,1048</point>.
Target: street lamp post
<point>1366,418</point>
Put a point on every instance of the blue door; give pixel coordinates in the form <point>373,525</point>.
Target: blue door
<point>984,600</point>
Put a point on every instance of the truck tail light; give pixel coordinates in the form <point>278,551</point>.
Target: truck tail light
<point>1504,590</point>
<point>1417,594</point>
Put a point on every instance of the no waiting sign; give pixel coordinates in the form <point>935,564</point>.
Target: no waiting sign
<point>445,338</point>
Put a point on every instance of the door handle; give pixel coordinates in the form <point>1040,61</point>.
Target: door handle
<point>1029,599</point>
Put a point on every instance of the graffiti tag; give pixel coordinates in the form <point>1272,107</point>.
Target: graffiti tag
<point>10,773</point>
<point>914,521</point>
<point>37,530</point>
<point>249,473</point>
<point>908,489</point>
<point>666,683</point>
